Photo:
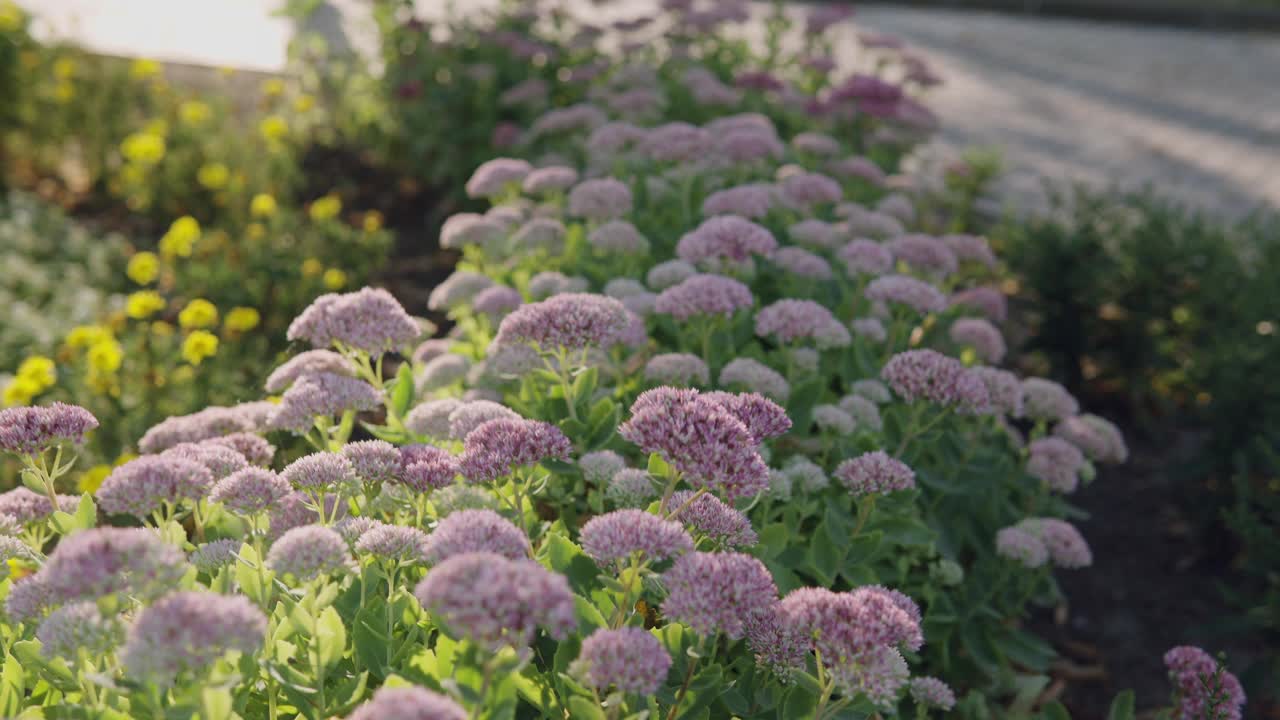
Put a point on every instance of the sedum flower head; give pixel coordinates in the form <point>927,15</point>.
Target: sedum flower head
<point>677,369</point>
<point>431,418</point>
<point>875,473</point>
<point>75,627</point>
<point>754,200</point>
<point>1003,388</point>
<point>369,320</point>
<point>924,254</point>
<point>709,295</point>
<point>900,289</point>
<point>700,438</point>
<point>212,556</point>
<point>218,459</point>
<point>630,659</point>
<point>497,301</point>
<point>669,273</point>
<point>790,320</point>
<point>458,289</point>
<point>987,300</point>
<point>24,505</point>
<point>1055,462</point>
<point>186,632</point>
<point>1202,689</point>
<point>496,177</point>
<point>618,236</point>
<point>572,321</point>
<point>616,536</point>
<point>252,448</point>
<point>802,263</point>
<point>556,178</point>
<point>933,377</point>
<point>1067,547</point>
<point>496,447</point>
<point>250,491</point>
<point>601,465</point>
<point>710,517</point>
<point>206,424</point>
<point>323,473</point>
<point>932,692</point>
<point>717,592</point>
<point>408,703</point>
<point>833,419</point>
<point>763,418</point>
<point>630,487</point>
<point>865,413</point>
<point>471,415</point>
<point>310,551</point>
<point>725,238</point>
<point>497,602</point>
<point>871,389</point>
<point>756,377</point>
<point>477,530</point>
<point>1017,543</point>
<point>31,430</point>
<point>321,395</point>
<point>1096,437</point>
<point>307,363</point>
<point>1047,400</point>
<point>142,486</point>
<point>815,234</point>
<point>982,336</point>
<point>393,542</point>
<point>599,199</point>
<point>105,561</point>
<point>424,468</point>
<point>373,460</point>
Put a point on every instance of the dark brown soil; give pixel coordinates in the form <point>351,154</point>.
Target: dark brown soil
<point>1159,564</point>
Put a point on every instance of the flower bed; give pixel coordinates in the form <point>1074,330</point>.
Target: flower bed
<point>717,432</point>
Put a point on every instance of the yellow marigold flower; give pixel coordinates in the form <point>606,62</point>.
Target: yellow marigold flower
<point>161,328</point>
<point>334,279</point>
<point>11,17</point>
<point>198,313</point>
<point>83,336</point>
<point>311,267</point>
<point>105,357</point>
<point>325,208</point>
<point>38,369</point>
<point>144,68</point>
<point>194,112</point>
<point>64,91</point>
<point>272,87</point>
<point>242,319</point>
<point>198,346</point>
<point>372,221</point>
<point>20,391</point>
<point>143,147</point>
<point>143,268</point>
<point>64,68</point>
<point>262,205</point>
<point>304,103</point>
<point>91,479</point>
<point>143,304</point>
<point>213,176</point>
<point>274,128</point>
<point>181,237</point>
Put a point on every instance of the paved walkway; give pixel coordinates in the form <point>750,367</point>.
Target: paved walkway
<point>1195,113</point>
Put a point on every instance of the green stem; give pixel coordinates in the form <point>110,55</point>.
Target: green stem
<point>620,614</point>
<point>828,685</point>
<point>684,688</point>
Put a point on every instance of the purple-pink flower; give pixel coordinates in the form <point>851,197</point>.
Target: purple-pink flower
<point>424,468</point>
<point>408,703</point>
<point>789,320</point>
<point>630,659</point>
<point>150,483</point>
<point>572,321</point>
<point>875,473</point>
<point>186,632</point>
<point>496,447</point>
<point>725,237</point>
<point>933,377</point>
<point>717,592</point>
<point>982,336</point>
<point>479,530</point>
<point>711,517</point>
<point>31,430</point>
<point>617,536</point>
<point>1055,462</point>
<point>915,294</point>
<point>703,295</point>
<point>369,320</point>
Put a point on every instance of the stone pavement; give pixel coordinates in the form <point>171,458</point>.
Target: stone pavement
<point>1197,114</point>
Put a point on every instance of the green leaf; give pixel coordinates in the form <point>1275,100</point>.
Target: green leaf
<point>657,466</point>
<point>585,708</point>
<point>368,640</point>
<point>588,613</point>
<point>1055,711</point>
<point>12,686</point>
<point>53,671</point>
<point>215,704</point>
<point>1122,707</point>
<point>402,394</point>
<point>773,539</point>
<point>863,548</point>
<point>568,559</point>
<point>331,636</point>
<point>247,577</point>
<point>349,694</point>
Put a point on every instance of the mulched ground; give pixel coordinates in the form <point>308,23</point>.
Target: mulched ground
<point>1158,567</point>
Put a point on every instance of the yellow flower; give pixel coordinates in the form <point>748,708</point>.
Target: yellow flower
<point>272,87</point>
<point>143,304</point>
<point>372,221</point>
<point>161,328</point>
<point>311,267</point>
<point>19,569</point>
<point>198,313</point>
<point>255,231</point>
<point>38,369</point>
<point>213,176</point>
<point>91,479</point>
<point>194,112</point>
<point>304,103</point>
<point>105,357</point>
<point>325,208</point>
<point>262,205</point>
<point>143,268</point>
<point>273,128</point>
<point>334,279</point>
<point>181,237</point>
<point>11,17</point>
<point>64,68</point>
<point>83,336</point>
<point>242,319</point>
<point>20,391</point>
<point>64,92</point>
<point>143,68</point>
<point>143,147</point>
<point>198,346</point>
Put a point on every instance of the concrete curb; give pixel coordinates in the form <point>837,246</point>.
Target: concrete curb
<point>1175,13</point>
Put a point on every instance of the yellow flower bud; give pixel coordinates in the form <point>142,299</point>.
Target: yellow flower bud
<point>325,208</point>
<point>213,176</point>
<point>242,319</point>
<point>273,128</point>
<point>105,357</point>
<point>198,346</point>
<point>262,205</point>
<point>38,369</point>
<point>146,148</point>
<point>334,279</point>
<point>143,304</point>
<point>83,336</point>
<point>312,267</point>
<point>194,112</point>
<point>143,268</point>
<point>198,313</point>
<point>181,237</point>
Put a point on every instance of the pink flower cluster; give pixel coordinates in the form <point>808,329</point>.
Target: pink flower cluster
<point>476,530</point>
<point>614,538</point>
<point>712,518</point>
<point>1034,541</point>
<point>1055,462</point>
<point>408,703</point>
<point>1096,437</point>
<point>321,395</point>
<point>933,377</point>
<point>31,430</point>
<point>496,447</point>
<point>1203,690</point>
<point>629,659</point>
<point>703,295</point>
<point>572,321</point>
<point>903,290</point>
<point>150,483</point>
<point>725,237</point>
<point>717,592</point>
<point>187,632</point>
<point>424,468</point>
<point>369,320</point>
<point>789,320</point>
